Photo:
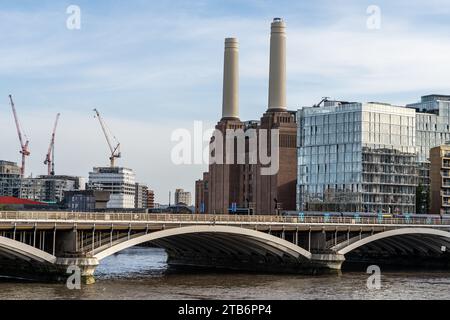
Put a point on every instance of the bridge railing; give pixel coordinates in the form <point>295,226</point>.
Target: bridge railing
<point>206,218</point>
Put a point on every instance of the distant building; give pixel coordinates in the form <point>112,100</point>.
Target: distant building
<point>201,194</point>
<point>141,196</point>
<point>9,179</point>
<point>182,197</point>
<point>86,200</point>
<point>440,179</point>
<point>175,209</point>
<point>49,189</point>
<point>151,199</point>
<point>118,181</point>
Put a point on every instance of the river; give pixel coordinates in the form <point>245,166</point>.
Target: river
<point>142,273</point>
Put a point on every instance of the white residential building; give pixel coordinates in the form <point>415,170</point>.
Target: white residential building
<point>119,181</point>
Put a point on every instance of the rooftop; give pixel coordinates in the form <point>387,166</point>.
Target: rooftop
<point>432,97</point>
<point>18,201</point>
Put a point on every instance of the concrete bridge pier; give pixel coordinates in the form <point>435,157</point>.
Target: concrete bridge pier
<point>328,261</point>
<point>84,265</point>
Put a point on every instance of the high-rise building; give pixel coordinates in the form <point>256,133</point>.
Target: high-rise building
<point>9,179</point>
<point>141,196</point>
<point>150,199</point>
<point>440,180</point>
<point>357,157</point>
<point>118,181</point>
<point>183,197</point>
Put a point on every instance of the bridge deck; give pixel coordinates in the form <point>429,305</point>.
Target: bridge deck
<point>67,220</point>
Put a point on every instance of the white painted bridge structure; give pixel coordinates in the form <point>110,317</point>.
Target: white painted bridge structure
<point>46,243</point>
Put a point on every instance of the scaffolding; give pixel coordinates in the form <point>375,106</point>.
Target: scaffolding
<point>9,179</point>
<point>389,180</point>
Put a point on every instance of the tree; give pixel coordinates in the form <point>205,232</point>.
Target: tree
<point>422,199</point>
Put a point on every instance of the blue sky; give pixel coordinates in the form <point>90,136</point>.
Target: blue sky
<point>153,66</point>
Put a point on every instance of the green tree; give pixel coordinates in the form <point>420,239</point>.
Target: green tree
<point>422,199</point>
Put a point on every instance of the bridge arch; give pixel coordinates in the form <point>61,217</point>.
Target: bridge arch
<point>422,239</point>
<point>14,248</point>
<point>207,237</point>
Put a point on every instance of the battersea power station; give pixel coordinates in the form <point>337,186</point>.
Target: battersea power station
<point>240,181</point>
<point>335,156</point>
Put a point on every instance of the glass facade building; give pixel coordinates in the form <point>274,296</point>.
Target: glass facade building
<point>356,157</point>
<point>432,130</point>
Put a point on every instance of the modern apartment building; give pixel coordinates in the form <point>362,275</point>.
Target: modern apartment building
<point>118,181</point>
<point>356,157</point>
<point>440,179</point>
<point>9,179</point>
<point>49,189</point>
<point>432,130</point>
<point>141,196</point>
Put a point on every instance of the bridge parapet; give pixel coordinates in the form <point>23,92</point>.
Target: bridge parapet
<point>58,216</point>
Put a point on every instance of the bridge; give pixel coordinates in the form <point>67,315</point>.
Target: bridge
<point>42,244</point>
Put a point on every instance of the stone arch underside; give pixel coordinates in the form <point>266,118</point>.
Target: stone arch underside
<point>220,246</point>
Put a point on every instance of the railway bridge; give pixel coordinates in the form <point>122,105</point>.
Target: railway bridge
<point>45,244</point>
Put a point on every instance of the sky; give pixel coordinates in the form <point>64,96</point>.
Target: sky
<point>152,67</point>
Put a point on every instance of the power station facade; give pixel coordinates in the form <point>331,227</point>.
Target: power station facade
<point>232,184</point>
<point>336,157</point>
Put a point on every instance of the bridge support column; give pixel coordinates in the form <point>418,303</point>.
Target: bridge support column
<point>87,267</point>
<point>328,261</point>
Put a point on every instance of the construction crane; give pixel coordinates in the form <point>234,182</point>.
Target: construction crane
<point>115,150</point>
<point>50,157</point>
<point>324,99</point>
<point>23,146</point>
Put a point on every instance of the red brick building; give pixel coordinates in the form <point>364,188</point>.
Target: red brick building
<point>244,186</point>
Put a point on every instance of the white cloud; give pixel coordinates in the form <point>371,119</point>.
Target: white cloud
<point>156,71</point>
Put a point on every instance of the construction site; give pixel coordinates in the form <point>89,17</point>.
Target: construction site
<point>111,187</point>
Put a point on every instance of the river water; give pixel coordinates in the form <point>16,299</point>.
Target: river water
<point>142,273</point>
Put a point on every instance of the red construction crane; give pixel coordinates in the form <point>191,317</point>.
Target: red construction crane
<point>115,150</point>
<point>50,157</point>
<point>23,146</point>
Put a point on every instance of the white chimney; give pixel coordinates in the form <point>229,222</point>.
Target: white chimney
<point>230,106</point>
<point>277,75</point>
